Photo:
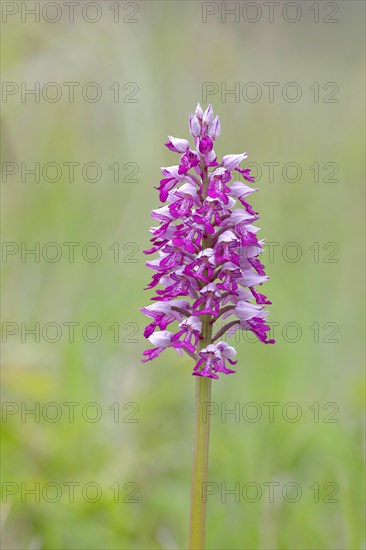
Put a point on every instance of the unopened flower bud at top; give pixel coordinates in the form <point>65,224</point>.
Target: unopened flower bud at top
<point>194,125</point>
<point>199,112</point>
<point>214,129</point>
<point>208,115</point>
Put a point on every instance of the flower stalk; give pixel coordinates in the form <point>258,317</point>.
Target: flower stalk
<point>197,529</point>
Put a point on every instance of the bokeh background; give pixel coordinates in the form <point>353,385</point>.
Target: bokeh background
<point>135,442</point>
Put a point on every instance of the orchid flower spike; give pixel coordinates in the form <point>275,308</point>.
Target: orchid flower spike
<point>208,263</point>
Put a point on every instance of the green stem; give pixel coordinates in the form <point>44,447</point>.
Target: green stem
<point>200,454</point>
<point>200,464</point>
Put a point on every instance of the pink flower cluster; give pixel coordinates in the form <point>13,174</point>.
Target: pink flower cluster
<point>208,254</point>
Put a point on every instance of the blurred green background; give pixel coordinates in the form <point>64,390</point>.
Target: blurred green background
<point>141,440</point>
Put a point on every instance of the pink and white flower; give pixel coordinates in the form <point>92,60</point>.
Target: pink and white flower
<point>208,263</point>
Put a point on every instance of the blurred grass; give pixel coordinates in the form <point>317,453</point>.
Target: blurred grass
<point>169,54</point>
